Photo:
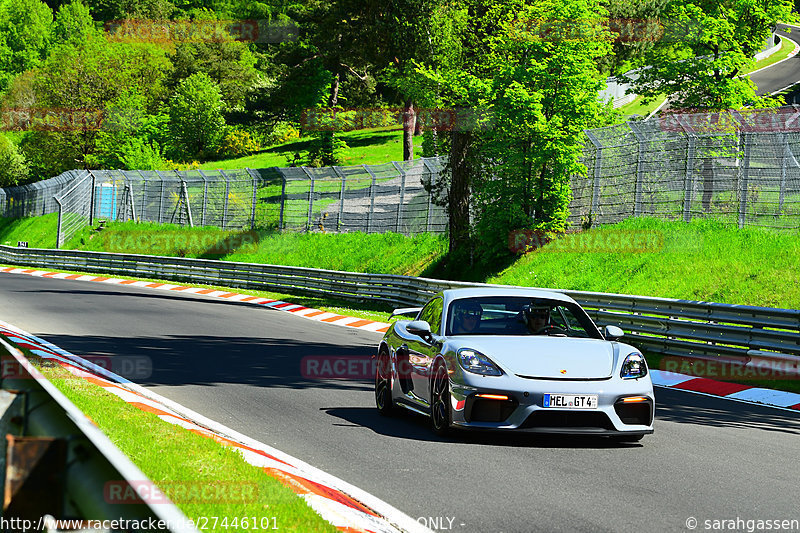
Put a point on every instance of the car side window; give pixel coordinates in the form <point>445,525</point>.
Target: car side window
<point>432,314</point>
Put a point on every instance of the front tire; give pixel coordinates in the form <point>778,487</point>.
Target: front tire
<point>383,384</point>
<point>441,415</point>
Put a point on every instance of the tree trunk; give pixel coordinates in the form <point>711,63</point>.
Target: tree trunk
<point>409,120</point>
<point>417,127</point>
<point>334,91</point>
<point>459,195</point>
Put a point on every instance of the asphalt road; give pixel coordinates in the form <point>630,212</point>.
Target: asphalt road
<point>240,365</point>
<point>781,75</point>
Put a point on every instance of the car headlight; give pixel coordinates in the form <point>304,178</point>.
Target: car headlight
<point>477,363</point>
<point>634,366</point>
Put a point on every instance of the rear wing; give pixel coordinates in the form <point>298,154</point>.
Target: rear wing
<point>406,311</point>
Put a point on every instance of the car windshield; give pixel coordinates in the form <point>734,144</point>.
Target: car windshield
<point>516,315</point>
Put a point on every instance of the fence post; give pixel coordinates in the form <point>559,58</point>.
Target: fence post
<point>91,199</point>
<point>143,213</point>
<point>784,157</point>
<point>185,194</point>
<point>283,201</point>
<point>129,189</point>
<point>399,223</point>
<point>310,197</point>
<point>255,198</point>
<point>688,182</point>
<point>227,194</point>
<point>598,171</point>
<point>161,199</point>
<point>205,198</point>
<point>339,221</point>
<point>743,183</point>
<point>371,197</point>
<point>58,228</point>
<point>640,150</point>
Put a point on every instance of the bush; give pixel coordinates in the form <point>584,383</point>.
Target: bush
<point>237,143</point>
<point>13,167</point>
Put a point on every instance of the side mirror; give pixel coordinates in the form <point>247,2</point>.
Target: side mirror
<point>613,332</point>
<point>419,328</point>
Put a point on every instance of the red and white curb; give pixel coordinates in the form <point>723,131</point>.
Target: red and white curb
<point>725,389</point>
<point>299,310</point>
<point>345,506</point>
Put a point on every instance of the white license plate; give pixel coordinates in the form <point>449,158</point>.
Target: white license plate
<point>570,401</point>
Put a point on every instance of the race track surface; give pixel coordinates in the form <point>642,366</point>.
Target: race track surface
<point>240,365</point>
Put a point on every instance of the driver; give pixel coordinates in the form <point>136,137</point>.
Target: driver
<point>537,319</point>
<point>466,318</point>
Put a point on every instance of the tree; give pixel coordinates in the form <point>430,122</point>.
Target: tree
<point>541,88</point>
<point>78,84</point>
<point>25,28</point>
<point>13,167</point>
<point>196,120</point>
<point>73,23</point>
<point>707,46</point>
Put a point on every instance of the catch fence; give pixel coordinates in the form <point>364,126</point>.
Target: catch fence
<point>741,167</point>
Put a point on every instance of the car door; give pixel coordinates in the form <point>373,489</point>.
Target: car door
<point>421,352</point>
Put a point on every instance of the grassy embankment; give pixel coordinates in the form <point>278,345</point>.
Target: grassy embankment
<point>188,467</point>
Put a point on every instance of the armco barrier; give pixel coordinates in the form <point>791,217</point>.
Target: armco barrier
<point>60,464</point>
<point>664,325</point>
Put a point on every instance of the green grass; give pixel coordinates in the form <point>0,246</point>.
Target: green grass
<point>39,232</point>
<point>638,107</point>
<point>355,252</point>
<point>369,146</point>
<point>702,260</point>
<point>179,461</point>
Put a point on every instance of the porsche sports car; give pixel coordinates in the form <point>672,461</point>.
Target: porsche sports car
<point>513,359</point>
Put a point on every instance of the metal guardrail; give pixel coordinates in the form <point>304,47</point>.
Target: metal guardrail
<point>59,464</point>
<point>662,325</point>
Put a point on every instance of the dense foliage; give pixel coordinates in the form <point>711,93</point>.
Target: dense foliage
<point>504,87</point>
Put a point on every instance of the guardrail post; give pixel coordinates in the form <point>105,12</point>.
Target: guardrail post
<point>371,197</point>
<point>399,222</point>
<point>743,183</point>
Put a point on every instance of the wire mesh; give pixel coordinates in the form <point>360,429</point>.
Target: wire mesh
<point>740,167</point>
<point>75,205</point>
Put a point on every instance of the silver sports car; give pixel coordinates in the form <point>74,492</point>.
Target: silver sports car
<point>513,359</point>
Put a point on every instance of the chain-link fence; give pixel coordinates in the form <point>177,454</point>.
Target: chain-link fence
<point>37,198</point>
<point>737,166</point>
<point>74,207</point>
<point>367,198</point>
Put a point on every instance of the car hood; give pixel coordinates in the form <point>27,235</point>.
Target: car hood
<point>547,357</point>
